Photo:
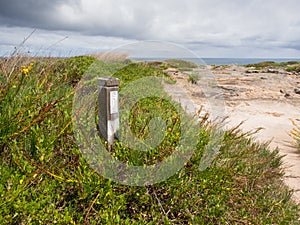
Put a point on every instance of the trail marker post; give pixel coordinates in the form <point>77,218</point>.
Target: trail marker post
<point>108,108</point>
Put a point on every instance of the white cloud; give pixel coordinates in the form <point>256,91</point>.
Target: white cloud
<point>256,28</point>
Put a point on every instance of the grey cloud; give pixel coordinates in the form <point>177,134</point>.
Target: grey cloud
<point>292,45</point>
<point>114,19</point>
<point>31,13</point>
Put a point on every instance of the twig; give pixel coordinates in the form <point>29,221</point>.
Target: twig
<point>159,203</point>
<point>23,42</point>
<point>61,40</point>
<point>90,207</point>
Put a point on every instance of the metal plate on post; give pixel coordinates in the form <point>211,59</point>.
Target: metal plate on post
<point>114,102</point>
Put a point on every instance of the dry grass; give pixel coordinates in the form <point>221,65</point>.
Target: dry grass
<point>110,56</point>
<point>295,133</point>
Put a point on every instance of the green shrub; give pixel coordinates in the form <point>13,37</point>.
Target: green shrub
<point>72,69</point>
<point>290,66</point>
<point>293,69</point>
<point>45,179</point>
<point>193,78</point>
<point>180,64</point>
<point>262,65</point>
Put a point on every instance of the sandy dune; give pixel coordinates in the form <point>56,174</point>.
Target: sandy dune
<point>265,100</point>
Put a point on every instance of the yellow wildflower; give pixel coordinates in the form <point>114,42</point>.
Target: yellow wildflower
<point>30,66</point>
<point>26,69</point>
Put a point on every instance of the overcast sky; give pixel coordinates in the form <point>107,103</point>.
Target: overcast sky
<point>211,28</point>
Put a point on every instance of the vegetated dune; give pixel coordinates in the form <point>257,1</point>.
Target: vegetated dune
<point>45,178</point>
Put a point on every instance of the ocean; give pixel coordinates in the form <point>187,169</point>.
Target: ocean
<point>243,61</point>
<point>225,61</point>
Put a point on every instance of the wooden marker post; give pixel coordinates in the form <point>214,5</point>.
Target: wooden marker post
<point>108,108</point>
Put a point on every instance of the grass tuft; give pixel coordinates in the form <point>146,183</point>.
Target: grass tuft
<point>295,133</point>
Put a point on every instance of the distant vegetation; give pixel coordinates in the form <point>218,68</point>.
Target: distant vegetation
<point>181,64</point>
<point>45,179</point>
<point>290,66</point>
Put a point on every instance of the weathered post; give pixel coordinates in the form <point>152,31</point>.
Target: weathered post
<point>108,108</point>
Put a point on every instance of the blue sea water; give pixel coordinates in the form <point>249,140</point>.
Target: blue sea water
<point>226,61</point>
<point>244,61</point>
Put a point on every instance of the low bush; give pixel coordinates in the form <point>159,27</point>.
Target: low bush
<point>45,179</point>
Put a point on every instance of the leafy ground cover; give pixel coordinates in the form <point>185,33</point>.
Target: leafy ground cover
<point>45,180</point>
